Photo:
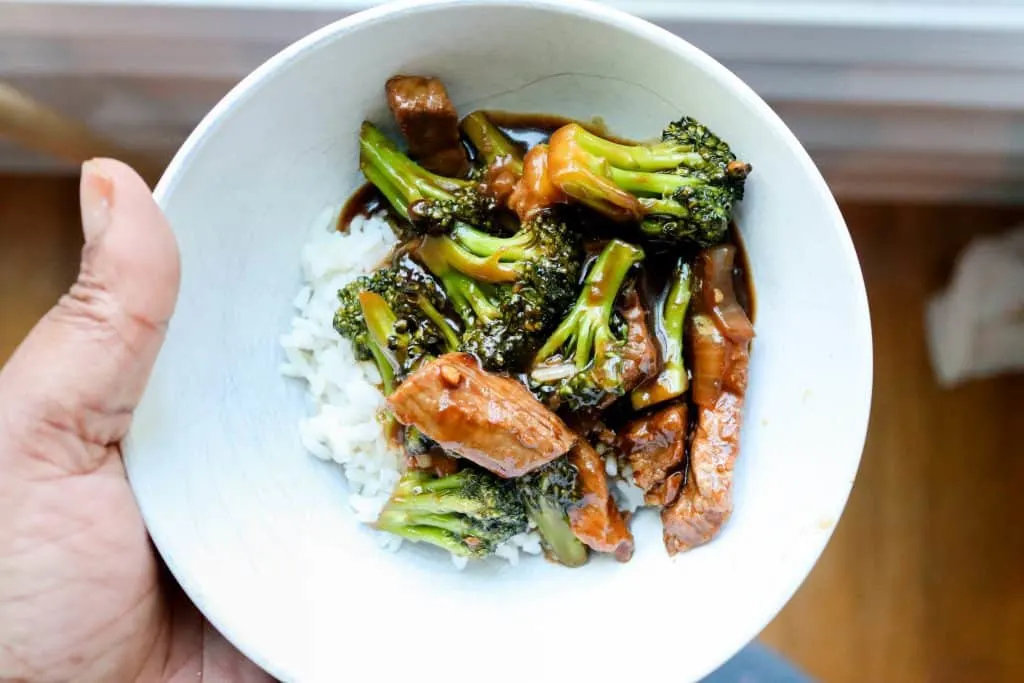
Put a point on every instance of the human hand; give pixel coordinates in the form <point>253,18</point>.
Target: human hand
<point>82,594</point>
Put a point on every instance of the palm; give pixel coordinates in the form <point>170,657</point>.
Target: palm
<point>86,583</point>
<point>81,592</point>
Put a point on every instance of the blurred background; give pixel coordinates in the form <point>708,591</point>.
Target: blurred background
<point>913,110</point>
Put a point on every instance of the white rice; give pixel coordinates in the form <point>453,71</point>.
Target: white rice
<point>344,426</point>
<point>628,496</point>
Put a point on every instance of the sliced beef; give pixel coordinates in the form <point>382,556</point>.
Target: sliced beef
<point>654,445</point>
<point>705,503</point>
<point>597,521</point>
<point>491,420</point>
<point>665,492</point>
<point>429,122</point>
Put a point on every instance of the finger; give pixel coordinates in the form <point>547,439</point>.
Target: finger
<point>82,369</point>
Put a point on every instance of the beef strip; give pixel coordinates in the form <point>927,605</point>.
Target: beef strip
<point>654,445</point>
<point>596,520</point>
<point>705,503</point>
<point>491,420</point>
<point>429,122</point>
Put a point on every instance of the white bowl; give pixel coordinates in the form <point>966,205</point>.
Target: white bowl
<point>258,532</point>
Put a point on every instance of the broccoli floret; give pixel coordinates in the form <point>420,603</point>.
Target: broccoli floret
<point>680,190</point>
<point>468,513</point>
<point>712,159</point>
<point>431,203</point>
<point>542,261</point>
<point>510,291</point>
<point>483,307</point>
<point>392,316</point>
<point>548,493</point>
<point>581,363</point>
<point>416,442</point>
<point>492,144</point>
<point>670,317</point>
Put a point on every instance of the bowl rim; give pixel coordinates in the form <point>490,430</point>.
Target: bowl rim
<point>622,21</point>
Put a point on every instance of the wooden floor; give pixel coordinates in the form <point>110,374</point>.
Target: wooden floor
<point>924,578</point>
<point>40,239</point>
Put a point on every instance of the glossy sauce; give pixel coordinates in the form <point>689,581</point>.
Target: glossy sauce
<point>529,130</point>
<point>364,202</point>
<point>532,129</point>
<point>742,277</point>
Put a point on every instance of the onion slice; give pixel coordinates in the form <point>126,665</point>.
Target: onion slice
<point>554,372</point>
<point>709,350</point>
<point>718,294</point>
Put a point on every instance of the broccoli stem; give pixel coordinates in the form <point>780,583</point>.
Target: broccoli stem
<point>434,517</point>
<point>557,534</point>
<point>411,482</point>
<point>652,184</point>
<point>451,339</point>
<point>422,506</point>
<point>427,501</point>
<point>380,322</point>
<point>492,143</point>
<point>663,207</point>
<point>449,483</point>
<point>658,157</point>
<point>470,299</point>
<point>386,188</point>
<point>586,327</point>
<point>672,381</point>
<point>399,178</point>
<point>487,268</point>
<point>481,244</point>
<point>398,523</point>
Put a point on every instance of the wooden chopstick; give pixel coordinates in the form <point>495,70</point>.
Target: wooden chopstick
<point>34,126</point>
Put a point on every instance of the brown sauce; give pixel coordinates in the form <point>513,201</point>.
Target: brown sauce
<point>533,129</point>
<point>658,267</point>
<point>528,130</point>
<point>742,277</point>
<point>364,202</point>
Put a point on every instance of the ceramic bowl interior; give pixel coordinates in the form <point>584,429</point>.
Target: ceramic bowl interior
<point>258,531</point>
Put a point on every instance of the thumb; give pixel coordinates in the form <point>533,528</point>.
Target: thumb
<point>82,369</point>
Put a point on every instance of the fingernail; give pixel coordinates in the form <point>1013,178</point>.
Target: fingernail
<point>97,199</point>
